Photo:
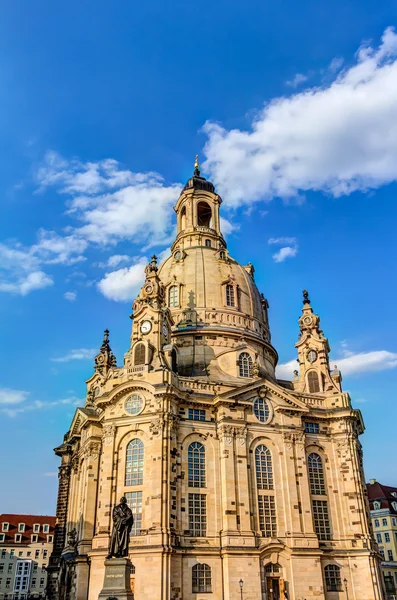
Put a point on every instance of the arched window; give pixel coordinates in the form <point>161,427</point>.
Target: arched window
<point>132,569</point>
<point>204,214</point>
<point>134,463</point>
<point>333,581</point>
<point>376,522</point>
<point>230,295</point>
<point>201,579</point>
<point>263,468</point>
<point>183,218</point>
<point>272,569</point>
<point>244,365</point>
<point>316,475</point>
<point>139,355</point>
<point>376,505</point>
<point>394,505</point>
<point>173,296</point>
<point>313,382</point>
<point>208,243</point>
<point>174,361</point>
<point>196,465</point>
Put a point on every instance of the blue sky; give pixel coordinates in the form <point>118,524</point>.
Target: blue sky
<point>103,106</point>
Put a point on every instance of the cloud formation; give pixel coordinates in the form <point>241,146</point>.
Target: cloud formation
<point>289,251</point>
<point>351,364</point>
<point>79,354</point>
<point>337,139</point>
<point>70,296</point>
<point>123,284</point>
<point>297,80</point>
<point>14,402</point>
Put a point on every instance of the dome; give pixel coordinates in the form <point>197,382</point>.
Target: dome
<point>197,182</point>
<point>218,313</point>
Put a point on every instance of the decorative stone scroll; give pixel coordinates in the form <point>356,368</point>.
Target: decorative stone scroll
<point>108,432</point>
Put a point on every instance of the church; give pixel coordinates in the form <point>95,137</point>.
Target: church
<point>242,486</point>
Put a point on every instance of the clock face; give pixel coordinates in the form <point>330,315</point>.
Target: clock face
<point>312,356</point>
<point>307,320</point>
<point>165,330</point>
<point>148,289</point>
<point>146,326</point>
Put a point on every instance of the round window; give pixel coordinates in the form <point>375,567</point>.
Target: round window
<point>134,404</point>
<point>312,356</point>
<point>178,255</point>
<point>262,410</point>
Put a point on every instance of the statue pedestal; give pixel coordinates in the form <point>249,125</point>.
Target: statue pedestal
<point>116,583</point>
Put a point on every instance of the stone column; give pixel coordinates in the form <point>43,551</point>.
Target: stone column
<point>228,480</point>
<point>105,483</point>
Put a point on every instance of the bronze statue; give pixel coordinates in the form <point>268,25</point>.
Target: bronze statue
<point>122,524</point>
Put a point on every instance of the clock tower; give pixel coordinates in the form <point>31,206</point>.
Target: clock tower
<point>151,347</point>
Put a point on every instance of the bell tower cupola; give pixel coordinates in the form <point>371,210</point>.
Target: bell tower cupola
<point>197,210</point>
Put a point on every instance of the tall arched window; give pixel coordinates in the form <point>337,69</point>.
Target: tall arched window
<point>313,382</point>
<point>134,463</point>
<point>319,498</point>
<point>333,581</point>
<point>139,354</point>
<point>263,468</point>
<point>201,579</point>
<point>266,501</point>
<point>316,475</point>
<point>196,465</point>
<point>230,295</point>
<point>244,365</point>
<point>183,218</point>
<point>204,214</point>
<point>173,296</point>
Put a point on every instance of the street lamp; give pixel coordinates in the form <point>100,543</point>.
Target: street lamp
<point>241,583</point>
<point>345,583</point>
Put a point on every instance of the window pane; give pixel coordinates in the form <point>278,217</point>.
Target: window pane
<point>198,515</point>
<point>201,579</point>
<point>267,515</point>
<point>134,501</point>
<point>230,295</point>
<point>261,410</point>
<point>312,427</point>
<point>333,580</point>
<point>316,475</point>
<point>134,463</point>
<point>196,414</point>
<point>196,465</point>
<point>173,296</point>
<point>263,468</point>
<point>244,364</point>
<point>321,519</point>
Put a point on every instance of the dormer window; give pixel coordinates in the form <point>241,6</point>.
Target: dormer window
<point>18,537</point>
<point>5,526</point>
<point>173,296</point>
<point>394,505</point>
<point>2,537</point>
<point>394,494</point>
<point>376,505</point>
<point>46,528</point>
<point>21,527</point>
<point>230,295</point>
<point>36,527</point>
<point>34,538</point>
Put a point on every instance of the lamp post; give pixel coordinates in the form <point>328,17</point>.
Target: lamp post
<point>345,583</point>
<point>241,583</point>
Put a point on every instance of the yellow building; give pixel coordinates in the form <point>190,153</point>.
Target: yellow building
<point>383,506</point>
<point>26,543</point>
<point>241,485</point>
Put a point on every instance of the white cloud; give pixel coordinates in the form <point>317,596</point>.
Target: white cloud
<point>362,362</point>
<point>114,261</point>
<point>70,296</point>
<point>336,139</point>
<point>366,362</point>
<point>26,284</point>
<point>123,284</point>
<point>283,253</point>
<point>13,411</point>
<point>9,396</point>
<point>336,64</point>
<point>297,80</point>
<point>282,240</point>
<point>112,203</point>
<point>79,354</point>
<point>286,370</point>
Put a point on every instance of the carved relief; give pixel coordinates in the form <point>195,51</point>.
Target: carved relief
<point>225,434</point>
<point>108,433</point>
<point>155,427</point>
<point>92,450</point>
<point>241,435</point>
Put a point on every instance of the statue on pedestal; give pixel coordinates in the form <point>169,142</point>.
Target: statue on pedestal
<point>122,524</point>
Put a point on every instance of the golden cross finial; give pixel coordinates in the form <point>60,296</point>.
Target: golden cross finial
<point>196,163</point>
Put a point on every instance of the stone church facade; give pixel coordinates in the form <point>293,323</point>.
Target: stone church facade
<point>241,485</point>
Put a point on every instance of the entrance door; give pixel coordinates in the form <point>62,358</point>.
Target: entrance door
<point>275,588</point>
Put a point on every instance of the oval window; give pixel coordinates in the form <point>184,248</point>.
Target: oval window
<point>134,404</point>
<point>262,410</point>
